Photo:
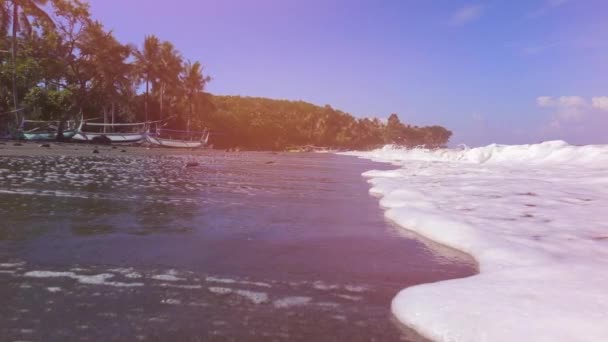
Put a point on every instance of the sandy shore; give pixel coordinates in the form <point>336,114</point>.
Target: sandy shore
<point>31,148</point>
<point>159,242</point>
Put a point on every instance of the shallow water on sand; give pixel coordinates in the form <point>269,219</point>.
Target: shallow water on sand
<point>247,246</point>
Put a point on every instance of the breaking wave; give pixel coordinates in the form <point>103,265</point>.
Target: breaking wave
<point>549,152</point>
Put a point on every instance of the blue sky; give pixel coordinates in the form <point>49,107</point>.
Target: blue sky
<point>503,71</point>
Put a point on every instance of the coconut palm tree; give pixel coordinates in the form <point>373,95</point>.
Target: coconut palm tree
<point>147,63</point>
<point>169,68</point>
<point>193,83</point>
<point>18,18</point>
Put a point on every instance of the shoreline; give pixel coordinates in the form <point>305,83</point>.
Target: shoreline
<point>408,327</point>
<point>497,204</point>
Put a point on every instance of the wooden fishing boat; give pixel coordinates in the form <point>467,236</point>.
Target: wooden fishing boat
<point>178,139</point>
<point>115,133</point>
<point>45,130</point>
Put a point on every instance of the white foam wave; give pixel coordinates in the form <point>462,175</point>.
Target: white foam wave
<point>291,301</point>
<point>253,296</point>
<point>97,279</point>
<point>187,287</point>
<point>550,152</point>
<point>220,290</point>
<point>166,277</point>
<point>171,301</point>
<point>535,217</point>
<point>213,279</point>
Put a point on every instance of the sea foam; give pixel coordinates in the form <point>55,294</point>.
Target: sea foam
<point>535,217</point>
<point>96,279</point>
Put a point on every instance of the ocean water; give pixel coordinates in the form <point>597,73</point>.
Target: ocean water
<point>535,217</point>
<point>246,246</point>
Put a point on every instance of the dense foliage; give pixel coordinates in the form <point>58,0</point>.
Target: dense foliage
<point>56,62</point>
<point>260,123</point>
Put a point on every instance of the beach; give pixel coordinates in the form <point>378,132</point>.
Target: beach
<point>137,245</point>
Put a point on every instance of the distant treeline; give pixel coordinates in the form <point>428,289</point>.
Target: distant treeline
<point>260,123</point>
<point>57,62</point>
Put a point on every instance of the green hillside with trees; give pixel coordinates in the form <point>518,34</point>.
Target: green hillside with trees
<point>261,123</point>
<point>57,62</point>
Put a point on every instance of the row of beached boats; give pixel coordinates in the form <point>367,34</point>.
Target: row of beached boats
<point>152,132</point>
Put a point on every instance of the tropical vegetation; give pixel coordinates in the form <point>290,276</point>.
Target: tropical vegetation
<point>57,62</point>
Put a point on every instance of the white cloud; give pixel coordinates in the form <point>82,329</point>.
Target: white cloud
<point>574,118</point>
<point>562,101</point>
<point>572,101</point>
<point>466,15</point>
<point>567,108</point>
<point>545,101</point>
<point>600,102</point>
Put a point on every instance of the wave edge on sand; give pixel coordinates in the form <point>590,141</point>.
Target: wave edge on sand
<point>533,216</point>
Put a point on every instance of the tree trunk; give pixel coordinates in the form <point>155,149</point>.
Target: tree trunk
<point>146,99</point>
<point>105,118</point>
<point>191,112</point>
<point>61,128</point>
<point>162,96</point>
<point>113,114</point>
<point>14,54</point>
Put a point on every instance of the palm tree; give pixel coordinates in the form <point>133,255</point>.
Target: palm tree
<point>109,68</point>
<point>193,82</point>
<point>18,18</point>
<point>147,61</point>
<point>170,66</point>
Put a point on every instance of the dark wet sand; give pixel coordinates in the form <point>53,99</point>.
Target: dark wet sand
<point>246,246</point>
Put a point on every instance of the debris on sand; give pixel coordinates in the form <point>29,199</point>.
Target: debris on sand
<point>192,164</point>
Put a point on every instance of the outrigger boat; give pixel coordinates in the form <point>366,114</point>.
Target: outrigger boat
<point>115,133</point>
<point>178,139</point>
<point>45,130</point>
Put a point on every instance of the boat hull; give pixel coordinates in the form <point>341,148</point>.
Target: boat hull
<point>46,136</point>
<point>173,143</point>
<point>115,138</point>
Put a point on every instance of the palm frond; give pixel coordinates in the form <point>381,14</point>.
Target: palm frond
<point>31,8</point>
<point>24,24</point>
<point>5,17</point>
